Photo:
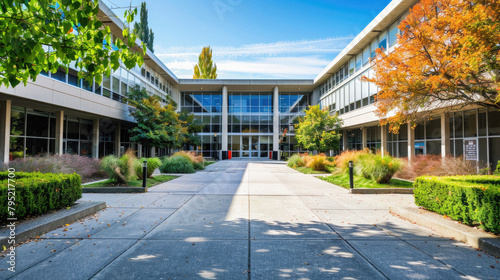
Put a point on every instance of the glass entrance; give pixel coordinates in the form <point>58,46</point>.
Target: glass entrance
<point>250,146</point>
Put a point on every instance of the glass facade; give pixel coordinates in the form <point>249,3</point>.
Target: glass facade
<point>77,136</point>
<point>32,132</point>
<point>207,108</point>
<point>250,121</point>
<point>250,124</point>
<point>344,91</point>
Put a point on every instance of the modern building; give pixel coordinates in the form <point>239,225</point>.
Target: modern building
<point>243,118</point>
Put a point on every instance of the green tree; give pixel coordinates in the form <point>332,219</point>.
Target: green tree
<point>206,68</point>
<point>142,30</point>
<point>193,126</point>
<point>158,125</point>
<point>317,130</point>
<point>43,35</point>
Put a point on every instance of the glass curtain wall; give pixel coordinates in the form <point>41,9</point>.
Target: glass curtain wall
<point>291,106</point>
<point>250,124</point>
<point>207,108</point>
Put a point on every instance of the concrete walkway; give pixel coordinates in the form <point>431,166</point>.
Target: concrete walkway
<point>248,220</point>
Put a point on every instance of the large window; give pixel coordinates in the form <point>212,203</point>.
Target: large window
<point>32,132</point>
<point>207,109</point>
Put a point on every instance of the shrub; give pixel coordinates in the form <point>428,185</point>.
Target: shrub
<point>472,200</point>
<point>192,156</point>
<point>497,170</point>
<point>383,168</point>
<point>37,193</point>
<point>317,162</point>
<point>196,160</point>
<point>121,169</point>
<point>153,163</point>
<point>86,167</point>
<point>342,160</point>
<point>295,161</point>
<point>377,167</point>
<point>177,164</point>
<point>435,165</point>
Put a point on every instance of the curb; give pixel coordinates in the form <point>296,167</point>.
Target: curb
<point>27,230</point>
<point>382,191</point>
<point>476,238</point>
<point>115,190</point>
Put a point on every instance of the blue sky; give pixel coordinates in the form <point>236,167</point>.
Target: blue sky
<point>255,38</point>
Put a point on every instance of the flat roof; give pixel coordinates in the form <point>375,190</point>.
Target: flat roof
<point>257,85</point>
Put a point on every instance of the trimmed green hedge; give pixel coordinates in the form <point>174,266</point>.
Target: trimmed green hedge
<point>472,200</point>
<point>37,193</point>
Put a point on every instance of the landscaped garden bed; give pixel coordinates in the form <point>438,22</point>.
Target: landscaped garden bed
<point>342,180</point>
<point>371,170</point>
<point>135,183</point>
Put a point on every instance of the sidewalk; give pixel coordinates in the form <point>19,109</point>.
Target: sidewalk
<point>248,219</point>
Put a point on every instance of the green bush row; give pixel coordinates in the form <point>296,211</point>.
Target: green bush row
<point>37,193</point>
<point>472,200</point>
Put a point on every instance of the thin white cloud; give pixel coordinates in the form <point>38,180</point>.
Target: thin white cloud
<point>328,45</point>
<point>293,59</point>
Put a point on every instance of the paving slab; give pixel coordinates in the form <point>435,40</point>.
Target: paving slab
<point>399,260</point>
<point>87,227</point>
<point>181,260</point>
<point>315,202</point>
<point>79,261</point>
<point>171,201</point>
<point>285,217</point>
<point>208,218</point>
<point>351,226</point>
<point>308,259</point>
<point>31,253</point>
<point>136,225</point>
<point>138,200</point>
<point>469,261</point>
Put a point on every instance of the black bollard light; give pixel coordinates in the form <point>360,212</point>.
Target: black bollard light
<point>351,174</point>
<point>144,173</point>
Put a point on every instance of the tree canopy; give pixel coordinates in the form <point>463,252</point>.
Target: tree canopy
<point>317,130</point>
<point>158,123</point>
<point>206,68</point>
<point>447,56</point>
<point>43,35</point>
<point>142,29</point>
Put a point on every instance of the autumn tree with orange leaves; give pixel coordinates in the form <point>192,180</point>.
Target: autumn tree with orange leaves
<point>448,55</point>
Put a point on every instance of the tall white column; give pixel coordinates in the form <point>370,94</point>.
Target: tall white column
<point>59,132</point>
<point>445,135</point>
<point>276,121</point>
<point>5,111</point>
<point>411,142</point>
<point>224,119</point>
<point>383,142</point>
<point>139,150</point>
<point>95,139</point>
<point>344,139</point>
